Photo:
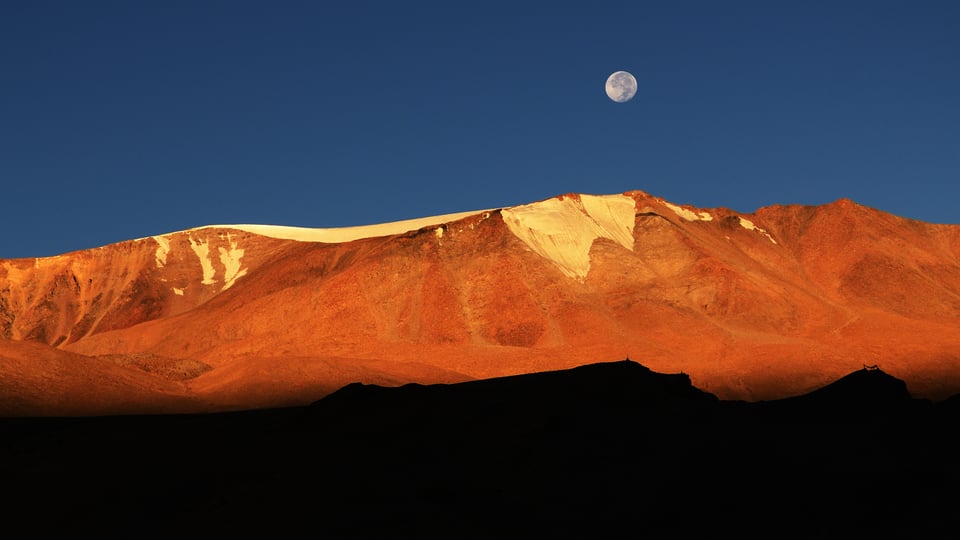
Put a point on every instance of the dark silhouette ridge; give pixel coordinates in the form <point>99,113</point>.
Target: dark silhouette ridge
<point>866,393</point>
<point>596,451</point>
<point>870,386</point>
<point>623,384</point>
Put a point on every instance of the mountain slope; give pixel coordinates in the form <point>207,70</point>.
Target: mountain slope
<point>751,306</point>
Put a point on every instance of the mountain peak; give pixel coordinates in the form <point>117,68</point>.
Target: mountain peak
<point>562,229</point>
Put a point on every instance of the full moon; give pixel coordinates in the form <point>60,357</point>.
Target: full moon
<point>621,86</point>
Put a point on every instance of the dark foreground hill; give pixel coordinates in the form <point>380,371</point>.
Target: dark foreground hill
<point>604,450</point>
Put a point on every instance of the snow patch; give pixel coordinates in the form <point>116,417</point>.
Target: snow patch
<point>688,215</point>
<point>163,247</point>
<point>230,258</point>
<point>747,224</point>
<point>203,253</point>
<point>178,292</point>
<point>563,229</point>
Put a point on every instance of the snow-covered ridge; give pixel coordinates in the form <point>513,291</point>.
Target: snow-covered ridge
<point>343,234</point>
<point>232,258</point>
<point>562,229</point>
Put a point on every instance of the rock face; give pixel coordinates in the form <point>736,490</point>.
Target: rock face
<point>751,306</point>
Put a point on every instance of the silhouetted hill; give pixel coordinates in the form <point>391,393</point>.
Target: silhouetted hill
<point>589,389</point>
<point>603,450</point>
<point>869,393</point>
<point>868,385</point>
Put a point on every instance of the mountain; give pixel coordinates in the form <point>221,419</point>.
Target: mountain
<point>751,306</point>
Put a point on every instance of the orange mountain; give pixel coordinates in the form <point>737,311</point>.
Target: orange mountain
<point>751,306</point>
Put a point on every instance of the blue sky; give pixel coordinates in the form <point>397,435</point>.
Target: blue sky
<point>127,119</point>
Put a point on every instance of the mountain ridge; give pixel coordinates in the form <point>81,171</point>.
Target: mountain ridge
<point>752,306</point>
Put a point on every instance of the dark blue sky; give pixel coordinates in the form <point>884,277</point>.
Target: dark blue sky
<point>127,119</point>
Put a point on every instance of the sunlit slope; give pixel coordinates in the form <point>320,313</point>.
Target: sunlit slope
<point>751,306</point>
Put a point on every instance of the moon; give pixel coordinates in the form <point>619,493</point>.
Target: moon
<point>621,86</point>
